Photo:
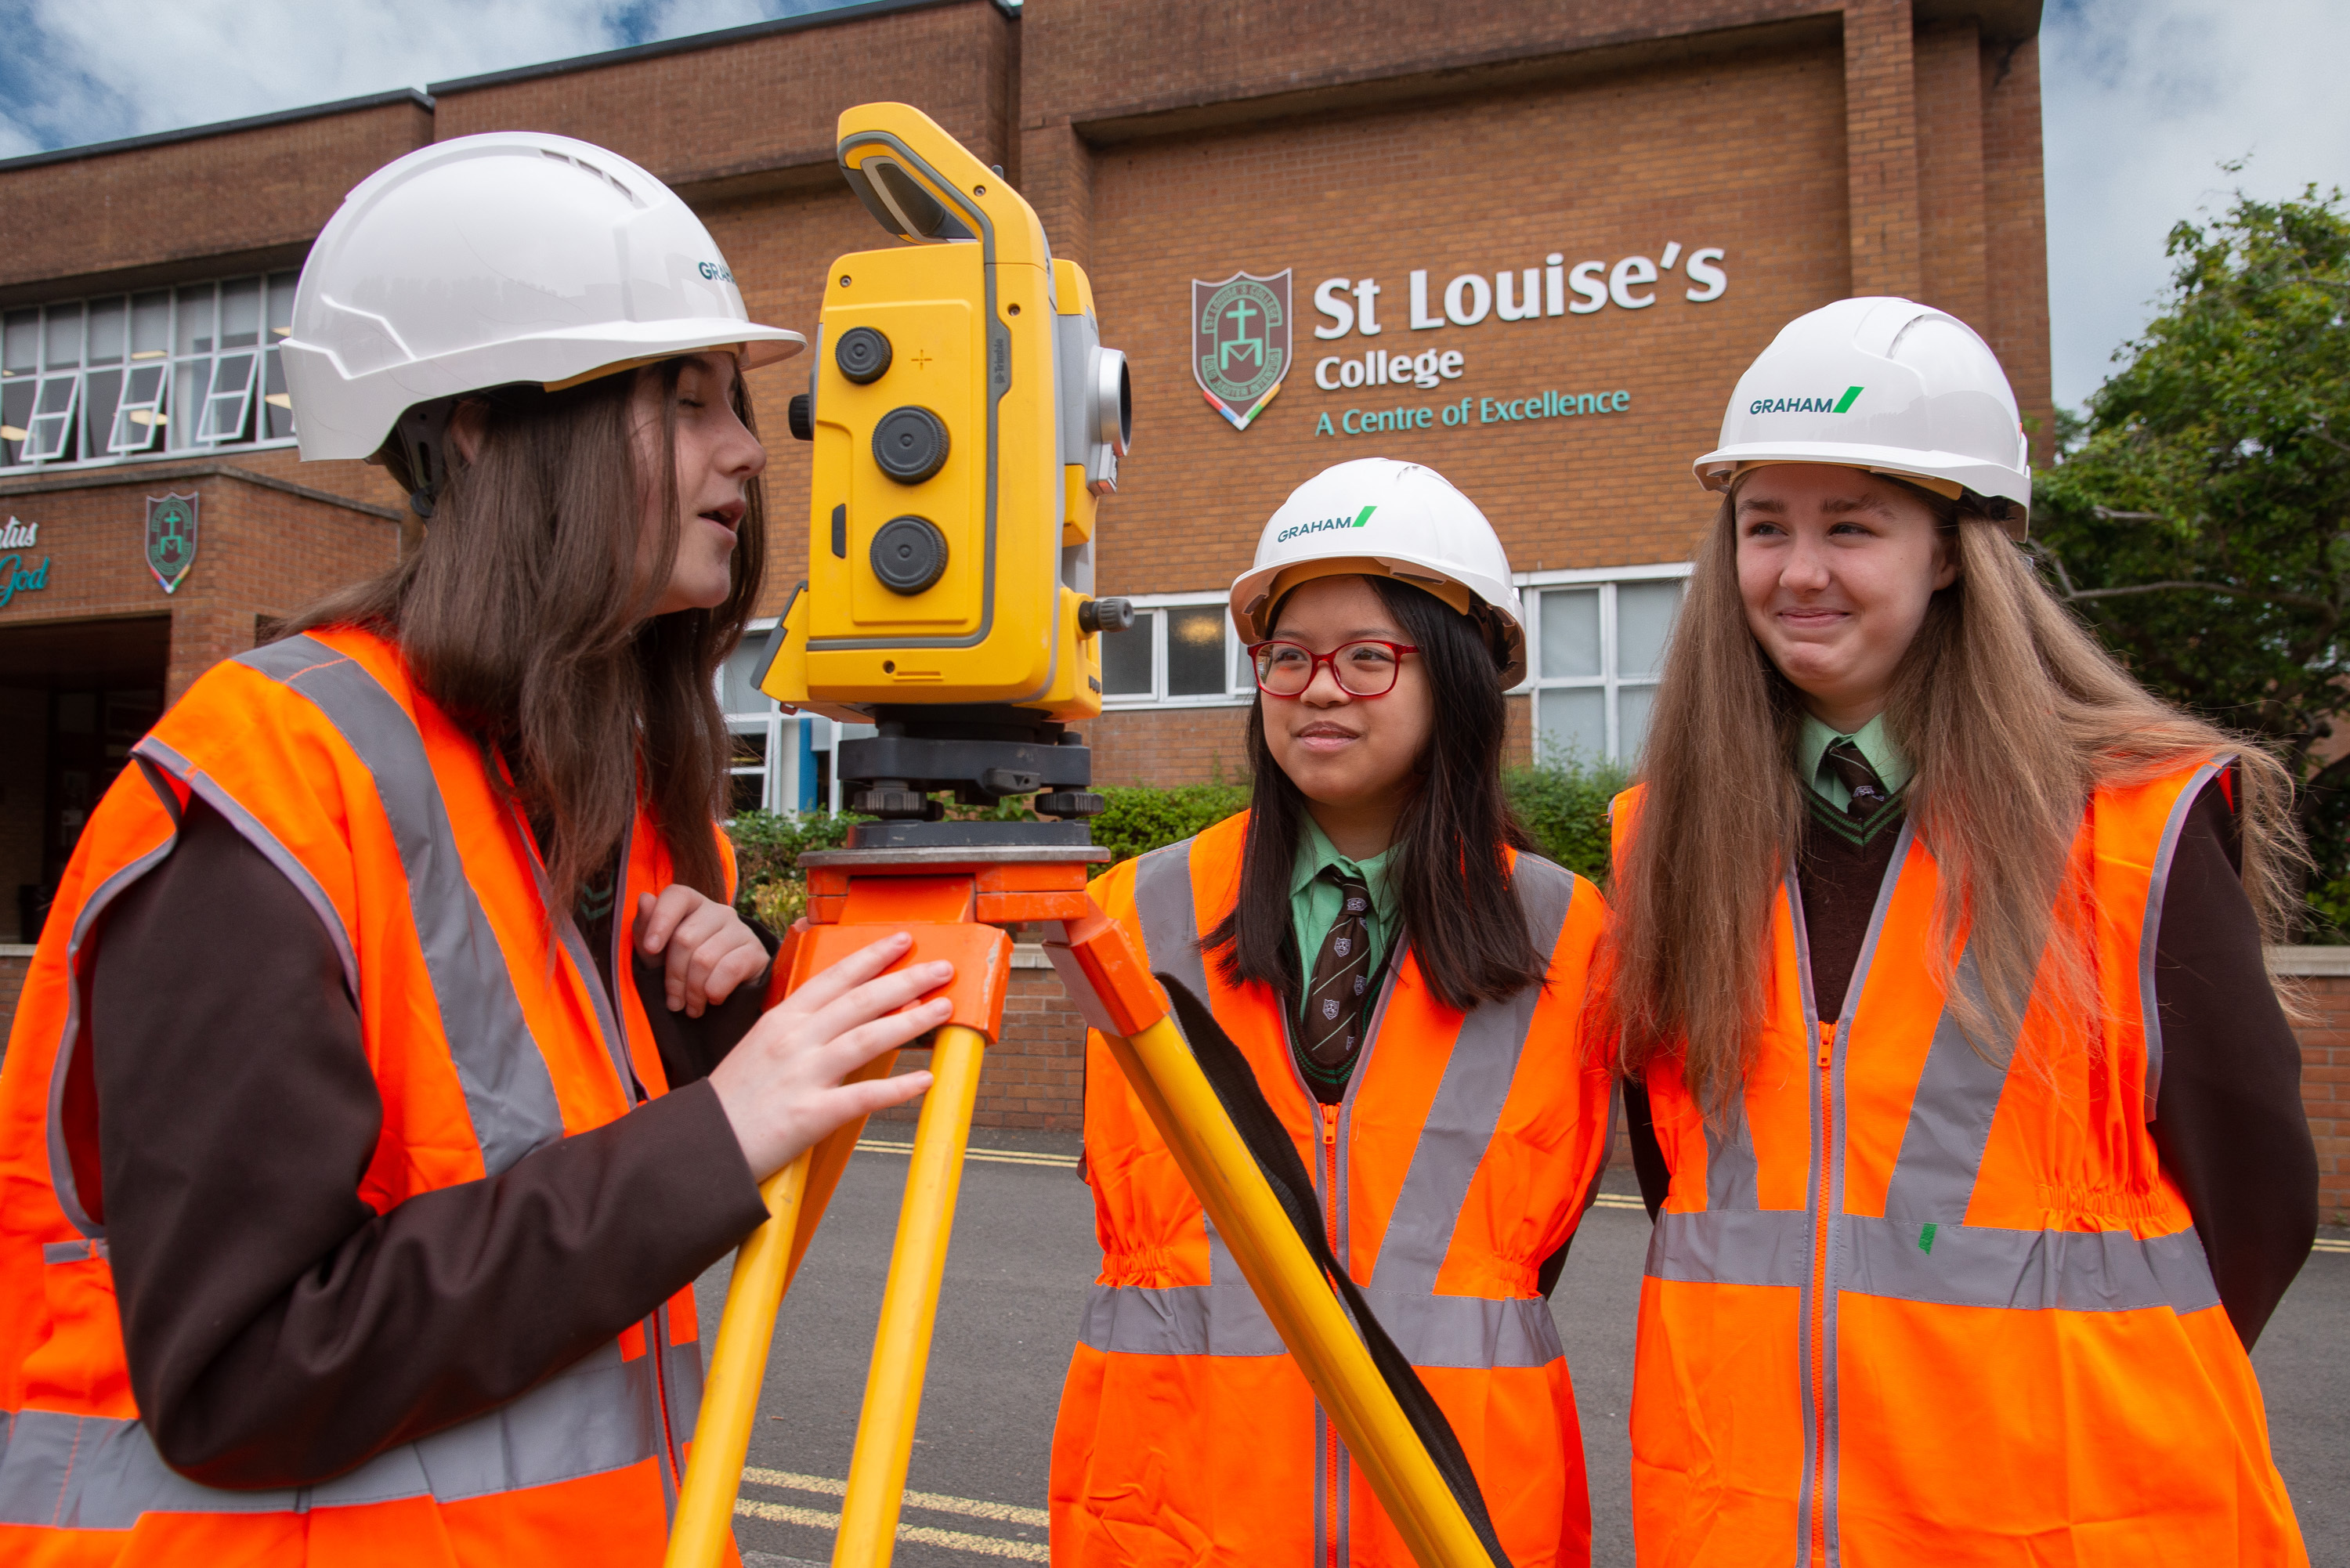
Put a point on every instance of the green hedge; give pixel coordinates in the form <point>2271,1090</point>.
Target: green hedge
<point>1563,803</point>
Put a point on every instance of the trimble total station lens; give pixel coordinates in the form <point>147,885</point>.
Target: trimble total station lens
<point>910,443</point>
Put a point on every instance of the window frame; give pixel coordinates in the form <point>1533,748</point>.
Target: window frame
<point>1610,681</point>
<point>1235,695</point>
<point>779,770</point>
<point>204,378</point>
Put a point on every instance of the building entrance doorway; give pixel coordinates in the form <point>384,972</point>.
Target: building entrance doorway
<point>74,698</point>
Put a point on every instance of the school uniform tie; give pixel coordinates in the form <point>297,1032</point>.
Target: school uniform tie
<point>1868,793</point>
<point>1330,1028</point>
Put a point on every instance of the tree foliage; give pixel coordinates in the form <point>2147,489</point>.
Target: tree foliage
<point>2200,518</point>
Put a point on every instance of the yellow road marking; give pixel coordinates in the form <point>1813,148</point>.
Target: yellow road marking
<point>922,1535</point>
<point>992,1156</point>
<point>937,1502</point>
<point>2326,1244</point>
<point>1618,1200</point>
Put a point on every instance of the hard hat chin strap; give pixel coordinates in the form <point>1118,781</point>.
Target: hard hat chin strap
<point>421,437</point>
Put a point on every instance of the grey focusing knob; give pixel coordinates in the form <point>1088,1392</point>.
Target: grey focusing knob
<point>863,355</point>
<point>910,443</point>
<point>800,415</point>
<point>1105,614</point>
<point>909,555</point>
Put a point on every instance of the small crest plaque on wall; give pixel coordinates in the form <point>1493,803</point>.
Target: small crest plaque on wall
<point>171,538</point>
<point>1239,342</point>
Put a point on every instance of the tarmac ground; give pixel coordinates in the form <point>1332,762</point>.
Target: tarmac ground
<point>1023,1255</point>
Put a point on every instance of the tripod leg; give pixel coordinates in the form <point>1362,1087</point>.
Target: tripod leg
<point>738,1365</point>
<point>909,1302</point>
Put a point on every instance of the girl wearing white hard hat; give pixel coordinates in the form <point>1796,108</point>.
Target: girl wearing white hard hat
<point>393,1063</point>
<point>1967,1116</point>
<point>1403,978</point>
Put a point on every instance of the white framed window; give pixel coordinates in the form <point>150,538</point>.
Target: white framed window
<point>783,761</point>
<point>1595,640</point>
<point>123,375</point>
<point>1181,652</point>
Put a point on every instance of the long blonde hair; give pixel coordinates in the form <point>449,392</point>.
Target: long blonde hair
<point>2009,713</point>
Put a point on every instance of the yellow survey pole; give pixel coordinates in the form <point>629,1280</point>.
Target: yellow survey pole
<point>738,1366</point>
<point>1158,1064</point>
<point>909,1304</point>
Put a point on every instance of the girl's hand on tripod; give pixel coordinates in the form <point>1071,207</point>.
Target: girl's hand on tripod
<point>782,1088</point>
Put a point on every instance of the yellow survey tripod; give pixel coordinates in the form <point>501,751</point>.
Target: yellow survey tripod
<point>967,421</point>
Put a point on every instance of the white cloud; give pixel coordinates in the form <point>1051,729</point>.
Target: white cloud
<point>80,71</point>
<point>2143,100</point>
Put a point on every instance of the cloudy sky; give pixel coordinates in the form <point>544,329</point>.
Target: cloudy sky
<point>2146,100</point>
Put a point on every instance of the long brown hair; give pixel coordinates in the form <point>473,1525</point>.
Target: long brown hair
<point>1457,910</point>
<point>523,615</point>
<point>2011,713</point>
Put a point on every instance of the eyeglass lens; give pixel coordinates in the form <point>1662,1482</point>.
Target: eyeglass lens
<point>1363,669</point>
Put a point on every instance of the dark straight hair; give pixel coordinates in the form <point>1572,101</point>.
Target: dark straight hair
<point>523,616</point>
<point>1458,913</point>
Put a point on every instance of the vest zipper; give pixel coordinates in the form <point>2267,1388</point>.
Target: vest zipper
<point>1337,1251</point>
<point>1821,1349</point>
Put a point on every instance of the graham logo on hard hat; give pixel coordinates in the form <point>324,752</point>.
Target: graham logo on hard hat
<point>1804,405</point>
<point>1940,413</point>
<point>1320,524</point>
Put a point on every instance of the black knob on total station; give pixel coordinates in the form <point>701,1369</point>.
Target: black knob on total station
<point>910,554</point>
<point>910,443</point>
<point>1105,614</point>
<point>800,415</point>
<point>863,355</point>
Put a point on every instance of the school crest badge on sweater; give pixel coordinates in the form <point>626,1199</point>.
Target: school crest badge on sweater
<point>171,538</point>
<point>1239,342</point>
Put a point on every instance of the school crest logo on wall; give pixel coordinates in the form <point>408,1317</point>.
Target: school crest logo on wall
<point>1239,342</point>
<point>171,538</point>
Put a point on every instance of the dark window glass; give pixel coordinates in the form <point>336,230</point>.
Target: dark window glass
<point>1126,659</point>
<point>1195,652</point>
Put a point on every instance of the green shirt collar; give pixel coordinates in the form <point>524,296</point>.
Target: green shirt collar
<point>1315,851</point>
<point>1874,745</point>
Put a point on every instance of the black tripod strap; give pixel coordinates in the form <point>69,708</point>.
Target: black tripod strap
<point>1227,1073</point>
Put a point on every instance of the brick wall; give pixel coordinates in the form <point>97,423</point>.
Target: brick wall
<point>260,551</point>
<point>193,206</point>
<point>1034,1075</point>
<point>2326,1090</point>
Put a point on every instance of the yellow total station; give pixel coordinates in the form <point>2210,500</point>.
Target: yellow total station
<point>966,421</point>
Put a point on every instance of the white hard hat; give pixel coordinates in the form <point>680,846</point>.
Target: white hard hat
<point>1884,384</point>
<point>488,260</point>
<point>1384,518</point>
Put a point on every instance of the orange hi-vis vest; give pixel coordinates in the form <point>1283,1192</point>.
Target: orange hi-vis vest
<point>1919,1304</point>
<point>484,1046</point>
<point>1463,1156</point>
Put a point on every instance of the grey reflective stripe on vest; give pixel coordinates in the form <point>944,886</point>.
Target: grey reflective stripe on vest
<point>2062,1270</point>
<point>1732,1247</point>
<point>509,1094</point>
<point>1223,1316</point>
<point>1435,1330</point>
<point>2150,928</point>
<point>252,829</point>
<point>1950,1113</point>
<point>92,1472</point>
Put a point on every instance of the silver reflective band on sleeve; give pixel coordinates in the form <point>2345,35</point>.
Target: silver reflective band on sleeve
<point>2150,927</point>
<point>1732,1247</point>
<point>509,1095</point>
<point>2063,1271</point>
<point>92,1472</point>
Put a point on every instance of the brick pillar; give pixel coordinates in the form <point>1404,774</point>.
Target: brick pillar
<point>1952,229</point>
<point>2016,206</point>
<point>1880,118</point>
<point>1056,175</point>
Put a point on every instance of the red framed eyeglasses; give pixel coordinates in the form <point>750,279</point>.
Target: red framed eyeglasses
<point>1363,669</point>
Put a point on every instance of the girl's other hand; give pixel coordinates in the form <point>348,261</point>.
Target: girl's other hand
<point>705,947</point>
<point>782,1088</point>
